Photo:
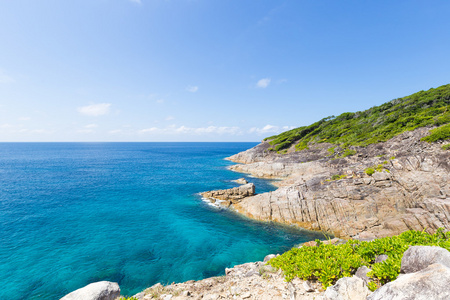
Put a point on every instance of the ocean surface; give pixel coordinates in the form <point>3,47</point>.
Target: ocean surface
<point>76,213</point>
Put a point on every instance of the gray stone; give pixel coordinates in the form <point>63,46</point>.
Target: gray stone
<point>347,288</point>
<point>241,181</point>
<point>381,258</point>
<point>430,283</point>
<point>268,257</point>
<point>362,273</point>
<point>308,287</point>
<point>417,258</point>
<point>103,290</point>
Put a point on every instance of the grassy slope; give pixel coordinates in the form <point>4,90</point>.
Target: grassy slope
<point>377,124</point>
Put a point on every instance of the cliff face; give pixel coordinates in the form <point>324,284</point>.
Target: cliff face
<point>323,190</point>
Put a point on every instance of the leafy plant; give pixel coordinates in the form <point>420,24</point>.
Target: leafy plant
<point>327,263</point>
<point>446,147</point>
<point>369,171</point>
<point>438,134</point>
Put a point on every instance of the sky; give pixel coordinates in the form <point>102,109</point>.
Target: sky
<point>208,70</point>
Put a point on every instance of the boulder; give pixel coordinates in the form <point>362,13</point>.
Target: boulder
<point>234,194</point>
<point>381,258</point>
<point>102,290</point>
<point>430,283</point>
<point>362,273</point>
<point>241,181</point>
<point>348,288</point>
<point>417,258</point>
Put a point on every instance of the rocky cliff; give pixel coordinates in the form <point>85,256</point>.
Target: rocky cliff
<point>360,192</point>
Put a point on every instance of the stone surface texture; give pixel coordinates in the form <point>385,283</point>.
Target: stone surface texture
<point>103,290</point>
<point>417,258</point>
<point>254,281</point>
<point>348,288</point>
<point>410,190</point>
<point>432,282</point>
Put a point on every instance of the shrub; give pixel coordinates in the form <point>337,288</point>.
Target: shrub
<point>438,134</point>
<point>328,263</point>
<point>369,171</point>
<point>377,124</point>
<point>446,147</point>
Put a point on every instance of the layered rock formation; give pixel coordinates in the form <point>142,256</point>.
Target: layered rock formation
<point>230,196</point>
<point>322,190</point>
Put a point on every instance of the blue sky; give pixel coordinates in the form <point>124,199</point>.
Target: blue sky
<point>207,70</point>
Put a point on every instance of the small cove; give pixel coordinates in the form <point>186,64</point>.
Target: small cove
<point>76,213</point>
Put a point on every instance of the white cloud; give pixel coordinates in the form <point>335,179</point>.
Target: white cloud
<point>170,118</point>
<point>24,119</point>
<point>148,130</point>
<point>4,126</point>
<point>263,83</point>
<point>192,89</point>
<point>95,109</point>
<point>160,101</point>
<point>193,130</point>
<point>267,129</point>
<point>91,126</point>
<point>4,78</point>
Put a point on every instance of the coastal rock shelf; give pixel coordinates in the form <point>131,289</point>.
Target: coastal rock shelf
<point>230,196</point>
<point>408,187</point>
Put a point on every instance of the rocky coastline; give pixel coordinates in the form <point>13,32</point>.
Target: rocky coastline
<point>377,191</point>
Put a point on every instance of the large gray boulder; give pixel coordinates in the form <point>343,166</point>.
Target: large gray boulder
<point>102,290</point>
<point>417,258</point>
<point>347,288</point>
<point>430,283</point>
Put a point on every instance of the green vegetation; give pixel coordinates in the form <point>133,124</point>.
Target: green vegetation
<point>347,152</point>
<point>378,168</point>
<point>446,147</point>
<point>337,177</point>
<point>369,171</point>
<point>328,263</point>
<point>438,134</point>
<point>377,124</point>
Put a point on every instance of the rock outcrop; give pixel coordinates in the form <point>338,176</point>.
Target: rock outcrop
<point>230,196</point>
<point>409,187</point>
<point>427,276</point>
<point>103,290</point>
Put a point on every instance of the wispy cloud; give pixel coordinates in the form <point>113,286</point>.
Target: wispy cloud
<point>192,89</point>
<point>170,118</point>
<point>91,126</point>
<point>263,83</point>
<point>136,1</point>
<point>269,129</point>
<point>4,78</point>
<point>221,130</point>
<point>95,109</point>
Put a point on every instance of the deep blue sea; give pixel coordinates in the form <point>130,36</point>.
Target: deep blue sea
<point>76,213</point>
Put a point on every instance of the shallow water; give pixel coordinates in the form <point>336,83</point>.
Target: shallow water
<point>76,213</point>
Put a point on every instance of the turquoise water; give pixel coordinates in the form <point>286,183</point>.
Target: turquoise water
<point>76,213</point>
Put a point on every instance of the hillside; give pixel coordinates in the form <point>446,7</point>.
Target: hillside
<point>377,124</point>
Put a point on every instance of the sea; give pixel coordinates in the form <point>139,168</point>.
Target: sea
<point>76,213</point>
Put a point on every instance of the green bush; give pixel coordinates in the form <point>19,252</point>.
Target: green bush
<point>446,147</point>
<point>328,263</point>
<point>438,134</point>
<point>369,171</point>
<point>377,124</point>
